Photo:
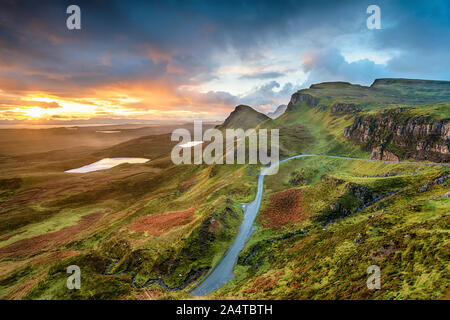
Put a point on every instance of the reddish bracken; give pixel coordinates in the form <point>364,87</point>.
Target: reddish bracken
<point>161,223</point>
<point>33,245</point>
<point>265,283</point>
<point>285,207</point>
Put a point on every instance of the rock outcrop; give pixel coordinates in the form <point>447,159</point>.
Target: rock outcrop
<point>357,198</point>
<point>379,154</point>
<point>395,134</point>
<point>344,108</point>
<point>299,98</point>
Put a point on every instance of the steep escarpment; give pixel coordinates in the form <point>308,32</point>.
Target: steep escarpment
<point>399,133</point>
<point>299,98</point>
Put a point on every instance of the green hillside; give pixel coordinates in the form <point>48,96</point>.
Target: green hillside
<point>244,117</point>
<point>346,215</point>
<point>383,92</point>
<point>322,221</point>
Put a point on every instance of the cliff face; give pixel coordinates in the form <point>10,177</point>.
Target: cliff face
<point>299,98</point>
<point>345,108</point>
<point>379,153</point>
<point>398,134</point>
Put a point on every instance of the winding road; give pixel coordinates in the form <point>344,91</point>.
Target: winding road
<point>223,271</point>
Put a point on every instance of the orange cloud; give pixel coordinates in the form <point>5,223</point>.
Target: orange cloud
<point>132,99</point>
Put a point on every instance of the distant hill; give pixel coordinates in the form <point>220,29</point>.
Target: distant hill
<point>382,92</point>
<point>278,112</point>
<point>244,117</point>
<point>392,119</point>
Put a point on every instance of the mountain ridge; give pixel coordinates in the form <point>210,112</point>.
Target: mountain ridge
<point>413,124</point>
<point>244,117</point>
<point>278,111</point>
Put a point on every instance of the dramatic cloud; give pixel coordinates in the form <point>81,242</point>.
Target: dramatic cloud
<point>263,75</point>
<point>152,59</point>
<point>331,66</point>
<point>266,96</point>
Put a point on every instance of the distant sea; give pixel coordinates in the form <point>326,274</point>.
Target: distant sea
<point>49,126</point>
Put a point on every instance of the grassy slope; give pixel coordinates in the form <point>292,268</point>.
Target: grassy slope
<point>407,238</point>
<point>49,203</point>
<point>405,233</point>
<point>382,93</point>
<point>244,117</point>
<point>410,244</point>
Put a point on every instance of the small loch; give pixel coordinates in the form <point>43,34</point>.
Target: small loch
<point>190,144</point>
<point>105,164</point>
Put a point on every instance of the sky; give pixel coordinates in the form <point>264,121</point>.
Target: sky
<point>186,60</point>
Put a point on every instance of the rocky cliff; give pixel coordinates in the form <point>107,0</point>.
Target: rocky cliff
<point>344,108</point>
<point>395,134</point>
<point>300,98</point>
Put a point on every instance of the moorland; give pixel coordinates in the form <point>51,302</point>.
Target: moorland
<point>155,230</point>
